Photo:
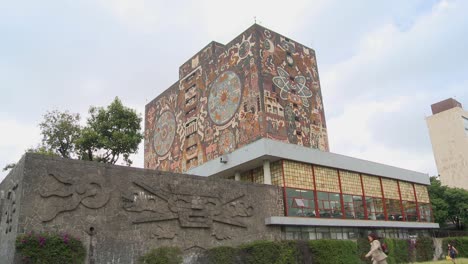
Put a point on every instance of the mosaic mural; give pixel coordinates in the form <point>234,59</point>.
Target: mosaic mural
<point>164,133</point>
<point>261,84</point>
<point>224,97</point>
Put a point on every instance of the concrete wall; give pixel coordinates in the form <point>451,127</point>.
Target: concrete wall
<point>450,146</point>
<point>11,196</point>
<point>120,212</point>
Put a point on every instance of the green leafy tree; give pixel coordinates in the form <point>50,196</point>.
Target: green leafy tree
<point>111,133</point>
<point>59,133</point>
<point>448,204</point>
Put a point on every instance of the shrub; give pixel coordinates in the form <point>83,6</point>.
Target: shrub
<point>260,252</point>
<point>50,248</point>
<point>334,251</point>
<point>424,249</point>
<point>460,243</point>
<point>226,255</point>
<point>363,247</point>
<point>162,255</point>
<point>398,250</point>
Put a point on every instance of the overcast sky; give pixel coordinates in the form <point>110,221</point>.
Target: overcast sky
<point>381,63</point>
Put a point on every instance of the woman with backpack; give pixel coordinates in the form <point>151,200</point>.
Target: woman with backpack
<point>452,252</point>
<point>376,252</point>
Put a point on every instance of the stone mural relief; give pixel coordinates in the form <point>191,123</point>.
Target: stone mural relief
<point>69,192</point>
<point>8,209</point>
<point>189,208</point>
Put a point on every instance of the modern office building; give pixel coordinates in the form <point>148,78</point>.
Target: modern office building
<point>448,129</point>
<point>252,111</point>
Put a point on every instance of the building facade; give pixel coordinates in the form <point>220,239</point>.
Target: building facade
<point>260,85</point>
<point>252,111</point>
<point>448,130</point>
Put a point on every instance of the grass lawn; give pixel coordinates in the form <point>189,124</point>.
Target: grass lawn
<point>458,261</point>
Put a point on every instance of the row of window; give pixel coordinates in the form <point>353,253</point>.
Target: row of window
<point>301,175</point>
<point>313,233</point>
<point>346,206</point>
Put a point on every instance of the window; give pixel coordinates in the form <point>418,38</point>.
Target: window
<point>326,179</point>
<point>353,206</point>
<point>425,212</point>
<point>298,175</point>
<point>393,210</point>
<point>407,192</point>
<point>375,208</point>
<point>351,183</point>
<point>410,211</point>
<point>372,186</point>
<point>329,205</point>
<point>191,100</point>
<point>191,111</point>
<point>300,202</point>
<point>465,124</point>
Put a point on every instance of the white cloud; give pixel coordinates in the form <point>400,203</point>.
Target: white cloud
<point>16,138</point>
<point>352,134</point>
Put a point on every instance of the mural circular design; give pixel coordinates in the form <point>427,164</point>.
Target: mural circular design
<point>244,49</point>
<point>164,133</point>
<point>224,98</point>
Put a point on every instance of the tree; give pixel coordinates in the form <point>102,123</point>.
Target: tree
<point>110,133</point>
<point>448,204</point>
<point>9,166</point>
<point>59,132</point>
<point>40,150</point>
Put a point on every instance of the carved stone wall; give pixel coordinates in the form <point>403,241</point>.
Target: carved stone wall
<point>120,212</point>
<point>10,200</point>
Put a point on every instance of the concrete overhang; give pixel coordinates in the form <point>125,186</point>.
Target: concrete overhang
<point>253,155</point>
<point>305,221</point>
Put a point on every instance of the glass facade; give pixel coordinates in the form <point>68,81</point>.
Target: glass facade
<point>313,233</point>
<point>300,202</point>
<point>317,191</point>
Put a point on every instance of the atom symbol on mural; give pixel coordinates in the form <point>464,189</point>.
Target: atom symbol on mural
<point>287,84</point>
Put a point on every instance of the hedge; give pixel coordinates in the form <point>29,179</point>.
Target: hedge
<point>315,251</point>
<point>334,251</point>
<point>460,243</point>
<point>162,255</point>
<point>424,249</point>
<point>226,255</point>
<point>398,250</point>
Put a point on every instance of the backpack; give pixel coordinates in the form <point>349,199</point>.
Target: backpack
<point>384,248</point>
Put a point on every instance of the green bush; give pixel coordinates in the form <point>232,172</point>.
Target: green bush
<point>398,250</point>
<point>334,251</point>
<point>460,243</point>
<point>162,255</point>
<point>424,249</point>
<point>225,255</point>
<point>50,248</point>
<point>363,246</point>
<point>260,252</point>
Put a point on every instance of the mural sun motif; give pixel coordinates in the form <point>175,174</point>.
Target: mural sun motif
<point>224,97</point>
<point>164,133</point>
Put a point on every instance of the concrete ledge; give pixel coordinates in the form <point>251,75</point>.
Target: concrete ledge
<point>253,155</point>
<point>304,221</point>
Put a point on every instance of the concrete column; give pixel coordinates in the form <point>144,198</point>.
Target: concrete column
<point>266,172</point>
<point>237,176</point>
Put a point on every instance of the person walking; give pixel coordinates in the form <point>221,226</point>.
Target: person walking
<point>452,252</point>
<point>376,252</point>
